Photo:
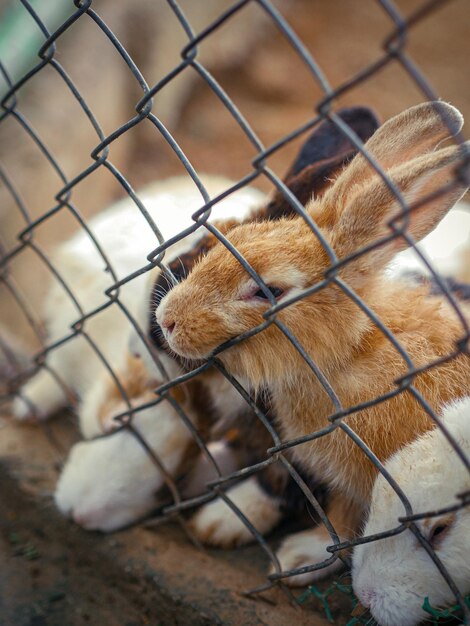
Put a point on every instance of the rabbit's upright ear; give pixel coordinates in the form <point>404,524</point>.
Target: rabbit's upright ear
<point>412,133</point>
<point>360,206</point>
<point>321,158</point>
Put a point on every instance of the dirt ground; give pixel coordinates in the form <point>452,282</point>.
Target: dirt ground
<point>53,573</point>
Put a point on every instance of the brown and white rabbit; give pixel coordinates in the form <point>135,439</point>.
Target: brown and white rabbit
<point>95,487</point>
<point>270,494</point>
<point>219,301</point>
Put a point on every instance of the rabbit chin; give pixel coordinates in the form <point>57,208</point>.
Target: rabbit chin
<point>383,585</point>
<point>393,576</point>
<point>390,609</point>
<point>182,348</point>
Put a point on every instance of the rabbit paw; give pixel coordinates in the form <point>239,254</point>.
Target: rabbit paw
<point>306,548</point>
<point>217,525</point>
<point>108,421</point>
<point>110,482</point>
<point>39,398</point>
<point>107,483</point>
<point>23,411</point>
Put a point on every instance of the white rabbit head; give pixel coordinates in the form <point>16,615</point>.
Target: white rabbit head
<point>393,576</point>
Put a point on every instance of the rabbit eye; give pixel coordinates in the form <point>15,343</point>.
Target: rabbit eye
<point>276,292</point>
<point>439,531</point>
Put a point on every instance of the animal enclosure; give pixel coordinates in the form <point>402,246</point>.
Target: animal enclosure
<point>103,100</point>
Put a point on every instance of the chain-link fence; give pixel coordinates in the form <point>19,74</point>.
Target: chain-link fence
<point>94,310</point>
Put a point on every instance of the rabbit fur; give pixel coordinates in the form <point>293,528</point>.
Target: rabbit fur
<point>114,500</point>
<point>117,229</point>
<point>78,492</point>
<point>393,576</point>
<point>265,498</point>
<point>219,301</point>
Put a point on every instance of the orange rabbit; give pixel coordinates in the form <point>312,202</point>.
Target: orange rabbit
<point>219,300</point>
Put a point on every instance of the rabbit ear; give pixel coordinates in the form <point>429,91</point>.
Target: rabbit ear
<point>327,141</point>
<point>428,184</point>
<point>321,158</point>
<point>414,132</point>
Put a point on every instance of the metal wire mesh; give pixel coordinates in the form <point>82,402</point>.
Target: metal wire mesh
<point>146,111</point>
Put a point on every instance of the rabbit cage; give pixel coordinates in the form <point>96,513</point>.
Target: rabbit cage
<point>167,490</point>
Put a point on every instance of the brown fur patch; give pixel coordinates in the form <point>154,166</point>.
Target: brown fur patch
<point>135,383</point>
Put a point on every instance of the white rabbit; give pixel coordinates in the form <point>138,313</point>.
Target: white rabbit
<point>111,481</point>
<point>393,576</point>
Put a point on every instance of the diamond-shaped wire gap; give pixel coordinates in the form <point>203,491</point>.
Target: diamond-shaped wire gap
<point>34,154</point>
<point>78,318</point>
<point>181,153</point>
<point>119,49</point>
<point>35,137</point>
<point>210,55</point>
<point>278,19</point>
<point>394,45</point>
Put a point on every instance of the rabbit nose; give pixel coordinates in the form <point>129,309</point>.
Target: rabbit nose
<point>168,325</point>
